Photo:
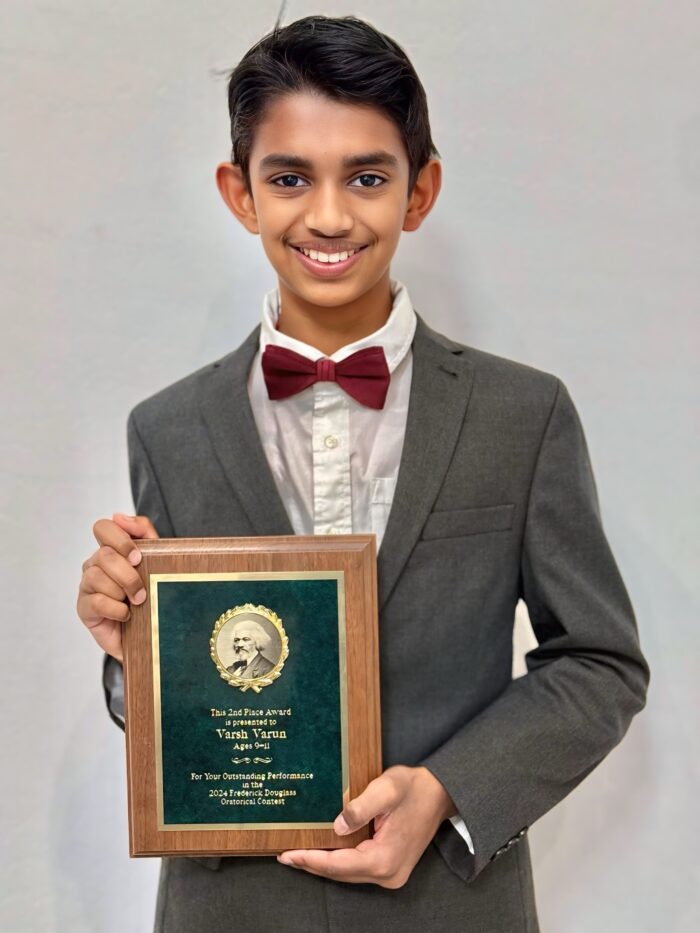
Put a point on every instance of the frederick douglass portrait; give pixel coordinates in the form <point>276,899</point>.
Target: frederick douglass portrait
<point>254,650</point>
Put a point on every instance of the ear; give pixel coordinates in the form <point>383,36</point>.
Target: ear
<point>424,194</point>
<point>232,188</point>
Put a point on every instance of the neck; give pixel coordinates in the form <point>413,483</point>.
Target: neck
<point>328,328</point>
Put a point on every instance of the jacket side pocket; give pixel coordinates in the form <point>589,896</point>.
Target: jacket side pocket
<point>453,523</point>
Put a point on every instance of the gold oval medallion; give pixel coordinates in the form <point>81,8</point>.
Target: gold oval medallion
<point>249,646</point>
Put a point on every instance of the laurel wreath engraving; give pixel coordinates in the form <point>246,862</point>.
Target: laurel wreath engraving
<point>257,683</point>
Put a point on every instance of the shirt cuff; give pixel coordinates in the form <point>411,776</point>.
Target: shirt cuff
<point>461,828</point>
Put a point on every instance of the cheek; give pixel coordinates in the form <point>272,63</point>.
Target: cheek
<point>275,215</point>
<point>272,231</point>
<point>386,219</point>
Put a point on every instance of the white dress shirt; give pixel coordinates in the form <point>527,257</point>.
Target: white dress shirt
<point>334,460</point>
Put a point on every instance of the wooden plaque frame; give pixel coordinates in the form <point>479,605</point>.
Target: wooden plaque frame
<point>353,559</point>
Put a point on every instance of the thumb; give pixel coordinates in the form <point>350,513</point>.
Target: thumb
<point>380,795</point>
<point>137,526</point>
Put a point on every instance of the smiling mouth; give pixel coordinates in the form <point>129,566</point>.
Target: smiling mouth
<point>329,258</point>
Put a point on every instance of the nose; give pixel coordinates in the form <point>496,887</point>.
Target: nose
<point>327,212</point>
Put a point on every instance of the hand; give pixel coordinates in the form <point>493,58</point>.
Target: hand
<point>109,578</point>
<point>407,805</point>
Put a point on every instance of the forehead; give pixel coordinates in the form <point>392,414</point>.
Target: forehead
<point>321,129</point>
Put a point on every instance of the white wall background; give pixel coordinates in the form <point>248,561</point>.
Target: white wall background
<point>566,236</point>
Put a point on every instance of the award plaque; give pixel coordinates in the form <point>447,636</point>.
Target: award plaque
<point>251,686</point>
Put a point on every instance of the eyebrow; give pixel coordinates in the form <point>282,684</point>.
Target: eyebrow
<point>287,160</point>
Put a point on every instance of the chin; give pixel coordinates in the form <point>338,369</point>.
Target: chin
<point>328,294</point>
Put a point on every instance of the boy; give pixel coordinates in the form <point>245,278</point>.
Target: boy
<point>343,412</point>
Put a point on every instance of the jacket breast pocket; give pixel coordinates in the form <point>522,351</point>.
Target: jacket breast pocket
<point>453,523</point>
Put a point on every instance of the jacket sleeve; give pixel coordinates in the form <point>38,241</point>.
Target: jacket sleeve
<point>586,679</point>
<point>148,501</point>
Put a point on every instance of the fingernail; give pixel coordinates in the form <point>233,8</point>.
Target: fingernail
<point>139,597</point>
<point>286,860</point>
<point>124,515</point>
<point>340,826</point>
<point>135,557</point>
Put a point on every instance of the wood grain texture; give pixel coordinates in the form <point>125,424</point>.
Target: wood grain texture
<point>353,554</point>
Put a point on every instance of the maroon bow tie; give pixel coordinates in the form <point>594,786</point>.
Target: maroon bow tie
<point>364,375</point>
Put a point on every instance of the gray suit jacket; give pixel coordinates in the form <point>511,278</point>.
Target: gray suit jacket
<point>495,500</point>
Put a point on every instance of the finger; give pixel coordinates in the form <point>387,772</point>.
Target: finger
<point>380,795</point>
<point>138,526</point>
<point>96,612</point>
<point>96,607</point>
<point>95,580</point>
<point>109,534</point>
<point>360,865</point>
<point>118,569</point>
<point>108,635</point>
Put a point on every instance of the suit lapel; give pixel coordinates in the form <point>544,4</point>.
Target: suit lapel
<point>440,389</point>
<point>225,406</point>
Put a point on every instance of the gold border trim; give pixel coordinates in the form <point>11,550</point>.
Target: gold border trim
<point>155,579</point>
<point>234,827</point>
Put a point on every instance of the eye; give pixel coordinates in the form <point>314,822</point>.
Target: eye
<point>366,181</point>
<point>288,181</point>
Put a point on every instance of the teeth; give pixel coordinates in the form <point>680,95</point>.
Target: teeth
<point>328,257</point>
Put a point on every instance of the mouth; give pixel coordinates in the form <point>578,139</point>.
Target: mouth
<point>328,265</point>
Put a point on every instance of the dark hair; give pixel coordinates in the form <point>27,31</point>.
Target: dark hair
<point>343,58</point>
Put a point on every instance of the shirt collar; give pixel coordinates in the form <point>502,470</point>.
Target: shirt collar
<point>395,336</point>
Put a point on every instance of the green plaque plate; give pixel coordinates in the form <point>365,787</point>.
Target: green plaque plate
<point>250,697</point>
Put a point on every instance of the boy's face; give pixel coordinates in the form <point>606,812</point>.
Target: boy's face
<point>333,178</point>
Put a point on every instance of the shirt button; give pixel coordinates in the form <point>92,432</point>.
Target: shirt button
<point>331,441</point>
